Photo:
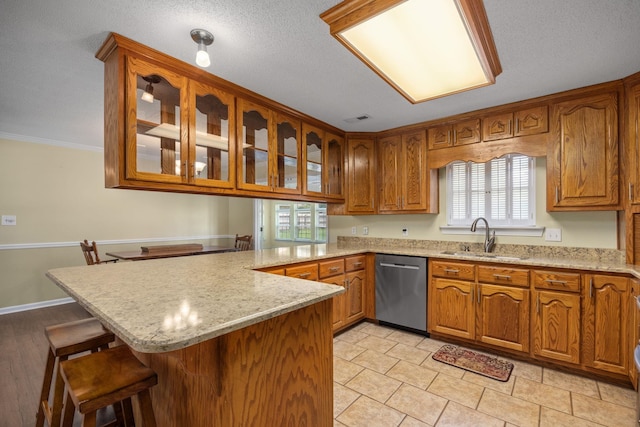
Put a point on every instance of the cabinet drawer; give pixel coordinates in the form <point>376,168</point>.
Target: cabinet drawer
<point>304,271</point>
<point>503,275</point>
<point>453,270</point>
<point>354,263</point>
<point>330,268</point>
<point>558,280</point>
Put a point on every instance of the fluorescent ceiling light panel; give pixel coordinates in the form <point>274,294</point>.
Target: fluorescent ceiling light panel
<point>424,48</point>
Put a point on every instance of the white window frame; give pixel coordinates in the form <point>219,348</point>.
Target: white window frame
<point>315,210</point>
<point>471,210</point>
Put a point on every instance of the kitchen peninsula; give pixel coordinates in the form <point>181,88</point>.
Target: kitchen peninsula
<point>234,346</point>
<point>231,346</point>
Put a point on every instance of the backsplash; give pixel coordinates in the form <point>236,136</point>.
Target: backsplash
<point>530,251</point>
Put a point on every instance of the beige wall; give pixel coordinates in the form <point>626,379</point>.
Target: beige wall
<point>58,196</point>
<point>579,229</point>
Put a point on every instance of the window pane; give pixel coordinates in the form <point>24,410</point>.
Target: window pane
<point>283,222</point>
<point>476,179</point>
<point>498,192</point>
<point>520,180</point>
<point>501,190</point>
<point>458,192</point>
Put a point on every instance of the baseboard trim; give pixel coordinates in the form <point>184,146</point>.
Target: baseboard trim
<point>35,305</point>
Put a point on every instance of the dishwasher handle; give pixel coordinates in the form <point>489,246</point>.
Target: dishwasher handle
<point>407,267</point>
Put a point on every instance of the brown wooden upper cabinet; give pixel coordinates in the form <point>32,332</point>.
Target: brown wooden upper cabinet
<point>461,133</point>
<point>405,184</point>
<point>582,162</point>
<point>178,131</point>
<point>633,126</point>
<point>361,176</point>
<point>269,158</point>
<point>323,155</point>
<point>530,121</point>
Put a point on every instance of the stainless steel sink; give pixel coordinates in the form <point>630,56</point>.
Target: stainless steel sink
<point>483,255</point>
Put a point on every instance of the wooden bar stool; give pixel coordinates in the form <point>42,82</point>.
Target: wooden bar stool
<point>67,339</point>
<point>106,378</point>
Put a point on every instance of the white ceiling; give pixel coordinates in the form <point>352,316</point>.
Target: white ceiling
<point>51,85</point>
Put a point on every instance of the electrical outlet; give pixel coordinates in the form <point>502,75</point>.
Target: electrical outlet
<point>553,235</point>
<point>354,230</point>
<point>405,231</point>
<point>8,220</point>
<point>365,230</point>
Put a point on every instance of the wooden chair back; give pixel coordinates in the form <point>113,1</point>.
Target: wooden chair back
<point>243,243</point>
<point>90,251</point>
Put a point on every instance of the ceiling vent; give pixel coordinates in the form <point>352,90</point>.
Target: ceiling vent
<point>358,119</point>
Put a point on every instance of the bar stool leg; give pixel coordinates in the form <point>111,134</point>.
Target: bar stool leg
<point>46,386</point>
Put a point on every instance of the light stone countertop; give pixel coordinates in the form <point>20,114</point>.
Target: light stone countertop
<point>166,304</point>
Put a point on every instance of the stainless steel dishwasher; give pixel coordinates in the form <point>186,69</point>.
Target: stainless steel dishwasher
<point>401,291</point>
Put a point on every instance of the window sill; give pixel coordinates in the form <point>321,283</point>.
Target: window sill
<point>532,231</point>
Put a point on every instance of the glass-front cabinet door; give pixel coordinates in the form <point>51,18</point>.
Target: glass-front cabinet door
<point>334,165</point>
<point>157,130</point>
<point>254,133</point>
<point>212,156</point>
<point>313,146</point>
<point>287,165</point>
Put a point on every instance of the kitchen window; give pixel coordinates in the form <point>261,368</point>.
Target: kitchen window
<point>301,222</point>
<point>501,190</point>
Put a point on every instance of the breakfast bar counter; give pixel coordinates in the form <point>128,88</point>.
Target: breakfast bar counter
<point>231,346</point>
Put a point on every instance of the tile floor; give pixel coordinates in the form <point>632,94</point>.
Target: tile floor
<point>386,377</point>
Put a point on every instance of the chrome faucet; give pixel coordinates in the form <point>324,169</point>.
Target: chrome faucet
<point>489,242</point>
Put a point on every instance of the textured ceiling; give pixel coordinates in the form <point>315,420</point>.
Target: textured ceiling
<point>51,85</point>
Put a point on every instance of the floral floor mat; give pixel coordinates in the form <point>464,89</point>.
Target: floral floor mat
<point>469,360</point>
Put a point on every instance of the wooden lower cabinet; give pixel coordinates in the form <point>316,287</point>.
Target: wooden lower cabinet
<point>349,272</point>
<point>634,315</point>
<point>606,323</point>
<point>452,308</point>
<point>354,307</point>
<point>573,318</point>
<point>556,326</point>
<point>503,317</point>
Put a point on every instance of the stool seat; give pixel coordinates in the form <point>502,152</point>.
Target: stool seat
<point>67,339</point>
<point>106,378</point>
<point>76,337</point>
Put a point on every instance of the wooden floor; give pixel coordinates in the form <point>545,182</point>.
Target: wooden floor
<point>24,351</point>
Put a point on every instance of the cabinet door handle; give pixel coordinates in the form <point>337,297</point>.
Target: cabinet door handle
<point>517,129</point>
<point>502,276</point>
<point>357,264</point>
<point>478,294</point>
<point>630,191</point>
<point>333,269</point>
<point>591,288</point>
<point>304,275</point>
<point>556,194</point>
<point>451,271</point>
<point>556,282</point>
<point>538,304</point>
<point>347,284</point>
<point>455,136</point>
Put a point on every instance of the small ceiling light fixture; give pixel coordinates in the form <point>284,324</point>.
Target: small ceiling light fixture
<point>147,95</point>
<point>424,49</point>
<point>204,38</point>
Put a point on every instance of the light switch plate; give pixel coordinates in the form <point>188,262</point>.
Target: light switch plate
<point>365,230</point>
<point>405,231</point>
<point>8,220</point>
